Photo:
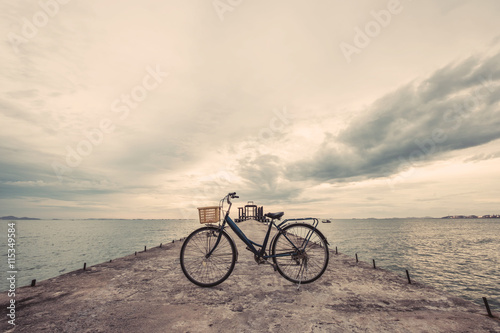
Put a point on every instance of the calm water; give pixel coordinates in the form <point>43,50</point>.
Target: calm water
<point>460,256</point>
<point>48,248</point>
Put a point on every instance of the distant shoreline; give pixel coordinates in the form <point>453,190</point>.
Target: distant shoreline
<point>496,216</point>
<point>18,218</point>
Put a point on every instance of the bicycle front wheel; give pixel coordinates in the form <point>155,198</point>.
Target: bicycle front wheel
<point>300,253</point>
<point>214,269</point>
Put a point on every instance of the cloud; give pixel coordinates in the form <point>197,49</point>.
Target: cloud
<point>264,179</point>
<point>256,176</point>
<point>455,108</point>
<point>210,128</point>
<point>482,157</point>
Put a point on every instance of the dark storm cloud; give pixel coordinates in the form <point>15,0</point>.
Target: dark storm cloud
<point>455,108</point>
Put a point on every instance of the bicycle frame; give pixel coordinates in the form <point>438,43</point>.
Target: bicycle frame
<point>251,245</point>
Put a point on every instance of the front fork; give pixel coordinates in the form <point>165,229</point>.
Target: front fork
<point>219,236</point>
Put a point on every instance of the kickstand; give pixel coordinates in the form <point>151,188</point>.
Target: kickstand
<point>300,279</point>
<point>301,273</point>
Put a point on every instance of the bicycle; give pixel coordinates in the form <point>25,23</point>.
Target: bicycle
<point>299,251</point>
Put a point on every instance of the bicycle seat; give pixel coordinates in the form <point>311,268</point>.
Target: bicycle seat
<point>275,215</point>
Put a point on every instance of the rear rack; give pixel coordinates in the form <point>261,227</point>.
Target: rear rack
<point>314,223</point>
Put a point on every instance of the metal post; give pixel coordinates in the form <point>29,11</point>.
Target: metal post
<point>487,307</point>
<point>408,276</point>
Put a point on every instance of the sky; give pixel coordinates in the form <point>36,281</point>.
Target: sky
<point>330,109</point>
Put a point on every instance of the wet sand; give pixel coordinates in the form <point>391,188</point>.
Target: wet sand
<point>148,292</point>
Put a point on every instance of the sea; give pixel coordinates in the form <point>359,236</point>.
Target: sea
<point>461,256</point>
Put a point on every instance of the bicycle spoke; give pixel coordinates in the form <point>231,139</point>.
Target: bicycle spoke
<point>309,253</point>
<point>211,270</point>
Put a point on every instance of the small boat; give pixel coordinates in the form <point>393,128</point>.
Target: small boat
<point>326,221</point>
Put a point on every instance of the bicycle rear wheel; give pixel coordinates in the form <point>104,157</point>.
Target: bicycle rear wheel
<point>208,271</point>
<point>300,253</point>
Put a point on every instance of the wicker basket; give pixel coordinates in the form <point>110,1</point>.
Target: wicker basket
<point>209,214</point>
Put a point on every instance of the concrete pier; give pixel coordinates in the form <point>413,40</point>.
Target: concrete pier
<point>148,292</point>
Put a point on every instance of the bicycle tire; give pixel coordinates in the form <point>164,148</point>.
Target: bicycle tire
<point>211,271</point>
<point>306,264</point>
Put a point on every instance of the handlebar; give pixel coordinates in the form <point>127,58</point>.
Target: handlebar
<point>226,198</point>
<point>231,195</point>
